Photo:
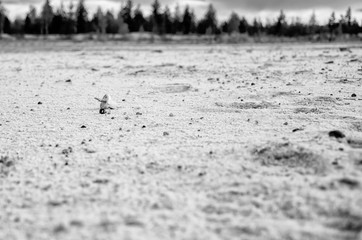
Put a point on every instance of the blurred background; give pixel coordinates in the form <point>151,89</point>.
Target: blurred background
<point>234,19</point>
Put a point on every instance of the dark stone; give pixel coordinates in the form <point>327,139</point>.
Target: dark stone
<point>336,134</point>
<point>297,130</point>
<point>353,95</point>
<point>102,111</point>
<point>349,182</point>
<point>83,126</point>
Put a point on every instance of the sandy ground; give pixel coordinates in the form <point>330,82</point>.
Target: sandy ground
<point>207,142</point>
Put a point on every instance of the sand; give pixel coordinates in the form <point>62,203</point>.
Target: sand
<point>206,141</point>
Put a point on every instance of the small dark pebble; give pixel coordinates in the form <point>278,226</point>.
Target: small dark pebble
<point>349,182</point>
<point>113,118</point>
<point>336,134</point>
<point>68,108</point>
<point>68,80</point>
<point>40,103</point>
<point>123,100</point>
<point>252,84</point>
<point>353,95</point>
<point>166,134</point>
<point>143,126</point>
<point>83,126</point>
<point>171,115</point>
<point>102,111</point>
<point>101,181</point>
<point>286,123</point>
<point>138,113</point>
<point>297,130</point>
<point>344,49</point>
<point>59,229</point>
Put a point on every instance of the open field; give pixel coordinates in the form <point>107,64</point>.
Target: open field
<point>207,141</point>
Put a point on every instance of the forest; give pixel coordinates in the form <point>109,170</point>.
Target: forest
<point>75,19</point>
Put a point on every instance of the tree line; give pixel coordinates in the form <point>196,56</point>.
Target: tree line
<point>75,19</point>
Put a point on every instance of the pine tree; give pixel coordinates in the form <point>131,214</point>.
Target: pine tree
<point>81,17</point>
<point>156,17</point>
<point>2,19</point>
<point>355,28</point>
<point>193,25</point>
<point>348,16</point>
<point>71,26</point>
<point>58,24</point>
<point>255,29</point>
<point>112,23</point>
<point>167,26</point>
<point>332,20</point>
<point>46,16</point>
<point>233,23</point>
<point>99,22</point>
<point>347,21</point>
<point>187,21</point>
<point>18,26</point>
<point>332,25</point>
<point>312,25</point>
<point>177,20</point>
<point>7,25</point>
<point>244,25</point>
<point>208,24</point>
<point>138,19</point>
<point>211,21</point>
<point>281,24</point>
<point>127,14</point>
<point>123,27</point>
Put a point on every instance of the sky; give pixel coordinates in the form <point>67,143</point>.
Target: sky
<point>263,9</point>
